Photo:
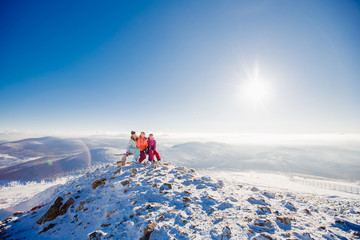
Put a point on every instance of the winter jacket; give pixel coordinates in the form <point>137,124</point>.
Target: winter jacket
<point>131,143</point>
<point>142,143</point>
<point>152,144</point>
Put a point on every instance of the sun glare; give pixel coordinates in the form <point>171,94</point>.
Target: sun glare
<point>255,91</point>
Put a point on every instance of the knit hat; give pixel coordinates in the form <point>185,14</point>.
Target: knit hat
<point>133,132</point>
<point>143,133</point>
<point>151,135</point>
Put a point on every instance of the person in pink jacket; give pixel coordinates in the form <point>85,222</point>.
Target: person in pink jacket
<point>152,148</point>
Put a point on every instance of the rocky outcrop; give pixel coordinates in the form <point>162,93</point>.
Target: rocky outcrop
<point>98,182</point>
<point>118,171</point>
<point>108,214</point>
<point>82,204</point>
<point>165,203</point>
<point>126,182</point>
<point>57,209</point>
<point>290,206</point>
<point>48,227</point>
<point>148,230</point>
<point>226,233</point>
<point>96,235</point>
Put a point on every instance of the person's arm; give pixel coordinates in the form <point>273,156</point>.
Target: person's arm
<point>128,146</point>
<point>154,145</point>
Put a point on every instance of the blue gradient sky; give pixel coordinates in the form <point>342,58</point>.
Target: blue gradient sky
<point>179,65</point>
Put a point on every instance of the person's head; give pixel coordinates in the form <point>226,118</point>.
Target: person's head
<point>133,136</point>
<point>151,136</point>
<point>142,134</point>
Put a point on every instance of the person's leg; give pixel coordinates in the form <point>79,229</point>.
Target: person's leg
<point>151,155</point>
<point>142,156</point>
<point>157,155</point>
<point>136,153</point>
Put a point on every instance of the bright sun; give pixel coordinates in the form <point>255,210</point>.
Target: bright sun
<point>256,91</point>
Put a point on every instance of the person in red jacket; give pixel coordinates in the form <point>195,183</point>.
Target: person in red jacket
<point>152,148</point>
<point>142,144</point>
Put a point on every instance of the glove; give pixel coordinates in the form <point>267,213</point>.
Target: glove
<point>127,154</point>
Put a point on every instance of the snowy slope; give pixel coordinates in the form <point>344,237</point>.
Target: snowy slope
<point>168,201</point>
<point>52,167</point>
<point>49,148</point>
<point>341,162</point>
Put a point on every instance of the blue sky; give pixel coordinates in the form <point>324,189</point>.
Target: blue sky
<point>180,65</point>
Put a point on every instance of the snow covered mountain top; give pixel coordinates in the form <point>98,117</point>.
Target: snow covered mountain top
<point>165,201</point>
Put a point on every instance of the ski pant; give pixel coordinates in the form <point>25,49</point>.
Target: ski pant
<point>142,156</point>
<point>136,153</point>
<point>151,155</point>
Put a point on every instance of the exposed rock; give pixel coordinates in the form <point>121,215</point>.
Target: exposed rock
<point>98,182</point>
<point>268,195</point>
<point>192,170</point>
<point>81,205</point>
<point>284,223</point>
<point>134,170</point>
<point>36,207</point>
<point>254,189</point>
<point>51,225</point>
<point>151,205</point>
<point>105,224</point>
<point>284,220</point>
<point>226,232</point>
<point>148,230</point>
<point>290,206</point>
<point>126,182</point>
<point>117,171</point>
<point>186,199</point>
<point>18,213</point>
<point>168,185</point>
<point>9,219</point>
<point>108,214</point>
<point>96,235</point>
<point>260,201</point>
<point>307,211</point>
<point>264,236</point>
<point>56,210</point>
<point>263,210</point>
<point>263,225</point>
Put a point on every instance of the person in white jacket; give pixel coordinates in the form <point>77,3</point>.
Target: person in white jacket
<point>131,147</point>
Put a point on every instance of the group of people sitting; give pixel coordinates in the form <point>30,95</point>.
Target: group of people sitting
<point>142,146</point>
